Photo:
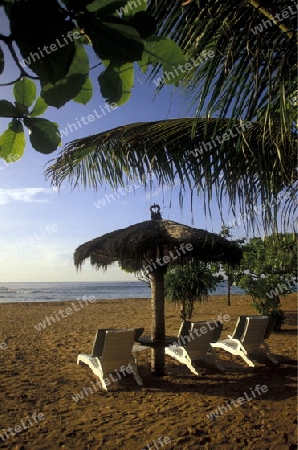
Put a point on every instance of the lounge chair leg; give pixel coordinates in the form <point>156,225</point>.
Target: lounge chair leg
<point>246,359</point>
<point>135,356</point>
<point>272,359</point>
<point>216,360</point>
<point>136,374</point>
<point>192,367</point>
<point>102,382</point>
<point>269,355</point>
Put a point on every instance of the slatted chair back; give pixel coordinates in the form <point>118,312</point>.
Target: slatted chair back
<point>254,332</point>
<point>117,349</point>
<point>199,340</point>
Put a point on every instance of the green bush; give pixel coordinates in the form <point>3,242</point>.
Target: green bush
<point>265,301</point>
<point>189,283</point>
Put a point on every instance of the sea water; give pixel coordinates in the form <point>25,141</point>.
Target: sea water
<point>58,291</point>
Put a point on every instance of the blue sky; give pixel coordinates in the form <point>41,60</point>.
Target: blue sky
<point>40,227</point>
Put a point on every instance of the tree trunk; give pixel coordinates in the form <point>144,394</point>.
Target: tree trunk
<point>158,320</point>
<point>230,280</point>
<point>229,290</point>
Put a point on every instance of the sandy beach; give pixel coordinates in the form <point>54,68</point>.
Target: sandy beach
<point>39,380</point>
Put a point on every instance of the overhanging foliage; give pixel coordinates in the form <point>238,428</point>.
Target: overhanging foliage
<point>47,43</point>
<point>239,167</point>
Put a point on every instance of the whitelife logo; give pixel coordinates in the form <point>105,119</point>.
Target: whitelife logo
<point>158,443</point>
<point>183,340</point>
<point>259,209</point>
<point>3,345</point>
<point>18,246</point>
<point>167,258</point>
<point>240,401</point>
<point>108,198</point>
<point>183,68</point>
<point>231,133</point>
<point>86,391</point>
<point>85,120</point>
<point>25,424</point>
<point>48,49</point>
<point>282,288</point>
<point>64,313</point>
<point>275,20</point>
<point>130,6</point>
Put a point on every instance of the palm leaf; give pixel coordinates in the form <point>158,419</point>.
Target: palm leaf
<point>236,167</point>
<point>251,78</point>
<point>253,73</point>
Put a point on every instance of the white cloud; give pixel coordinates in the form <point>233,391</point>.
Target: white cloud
<point>27,195</point>
<point>53,256</point>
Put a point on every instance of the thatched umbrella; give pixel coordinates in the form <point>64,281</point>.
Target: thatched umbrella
<point>151,246</point>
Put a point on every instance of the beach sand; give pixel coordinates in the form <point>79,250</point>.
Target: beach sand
<point>38,374</point>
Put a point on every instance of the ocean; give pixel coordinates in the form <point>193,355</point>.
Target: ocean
<point>49,292</point>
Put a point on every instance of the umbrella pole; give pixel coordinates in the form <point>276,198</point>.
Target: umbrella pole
<point>158,320</point>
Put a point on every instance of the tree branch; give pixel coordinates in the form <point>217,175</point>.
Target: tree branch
<point>15,58</point>
<point>23,73</point>
<point>12,82</point>
<point>96,65</point>
<point>5,39</point>
<point>256,4</point>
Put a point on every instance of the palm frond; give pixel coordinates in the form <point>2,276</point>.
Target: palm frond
<point>231,164</point>
<point>252,75</point>
<point>251,78</point>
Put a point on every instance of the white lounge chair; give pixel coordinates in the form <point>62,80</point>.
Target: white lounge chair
<point>100,338</point>
<point>239,328</point>
<point>111,354</point>
<point>247,338</point>
<point>185,329</point>
<point>195,345</point>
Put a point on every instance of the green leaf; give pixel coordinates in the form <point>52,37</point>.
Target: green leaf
<point>54,66</point>
<point>80,63</point>
<point>163,50</point>
<point>85,93</point>
<point>69,87</point>
<point>63,91</point>
<point>133,7</point>
<point>144,23</point>
<point>39,107</point>
<point>22,110</point>
<point>51,52</point>
<point>24,91</point>
<point>7,109</point>
<point>116,83</point>
<point>12,141</point>
<point>106,6</point>
<point>44,135</point>
<point>85,40</point>
<point>121,43</point>
<point>1,60</point>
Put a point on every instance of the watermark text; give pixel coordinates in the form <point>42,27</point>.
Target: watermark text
<point>229,405</point>
<point>24,425</point>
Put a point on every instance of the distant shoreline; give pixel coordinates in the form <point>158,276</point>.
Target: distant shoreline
<point>103,290</point>
<point>214,297</point>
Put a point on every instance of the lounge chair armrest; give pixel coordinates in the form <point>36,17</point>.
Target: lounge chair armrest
<point>182,352</point>
<point>185,354</point>
<point>233,339</point>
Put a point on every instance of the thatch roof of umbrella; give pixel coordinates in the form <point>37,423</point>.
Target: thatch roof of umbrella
<point>136,245</point>
<point>151,246</point>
